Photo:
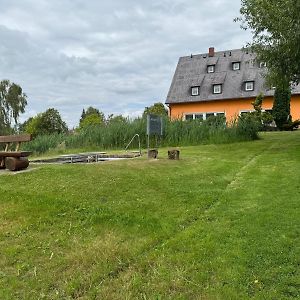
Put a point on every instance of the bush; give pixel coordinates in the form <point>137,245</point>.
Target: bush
<point>291,125</point>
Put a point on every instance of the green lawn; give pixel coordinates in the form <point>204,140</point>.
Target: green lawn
<point>221,223</point>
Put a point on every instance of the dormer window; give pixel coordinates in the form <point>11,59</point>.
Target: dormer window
<point>195,90</point>
<point>211,69</point>
<point>217,88</point>
<point>236,66</point>
<point>249,86</point>
<point>262,64</point>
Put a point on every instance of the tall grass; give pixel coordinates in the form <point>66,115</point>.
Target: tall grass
<point>116,135</point>
<point>43,143</point>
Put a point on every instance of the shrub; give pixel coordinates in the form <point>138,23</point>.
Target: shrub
<point>281,106</point>
<point>290,126</point>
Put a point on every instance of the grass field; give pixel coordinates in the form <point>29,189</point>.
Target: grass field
<point>223,222</point>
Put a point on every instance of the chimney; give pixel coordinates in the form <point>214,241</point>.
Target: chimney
<point>211,52</point>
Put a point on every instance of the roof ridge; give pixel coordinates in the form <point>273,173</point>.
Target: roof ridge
<point>217,52</point>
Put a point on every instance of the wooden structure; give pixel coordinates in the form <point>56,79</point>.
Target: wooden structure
<point>152,153</point>
<point>14,160</point>
<point>173,154</point>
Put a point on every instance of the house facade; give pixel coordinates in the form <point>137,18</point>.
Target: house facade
<point>221,83</point>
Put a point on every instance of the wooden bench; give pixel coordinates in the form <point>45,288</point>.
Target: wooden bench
<point>14,160</point>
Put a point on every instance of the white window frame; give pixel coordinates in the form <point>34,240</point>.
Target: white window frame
<point>252,110</point>
<point>197,114</point>
<point>246,111</point>
<point>236,66</point>
<point>217,89</point>
<point>211,69</point>
<point>262,64</point>
<point>189,115</point>
<point>204,114</point>
<point>197,89</point>
<point>247,89</point>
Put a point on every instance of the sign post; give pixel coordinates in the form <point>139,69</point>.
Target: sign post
<point>154,127</point>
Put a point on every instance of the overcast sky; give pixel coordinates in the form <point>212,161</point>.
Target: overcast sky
<point>118,56</point>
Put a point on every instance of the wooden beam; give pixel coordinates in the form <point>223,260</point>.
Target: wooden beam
<point>15,138</point>
<point>14,153</point>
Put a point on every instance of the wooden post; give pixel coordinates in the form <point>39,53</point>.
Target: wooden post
<point>152,153</point>
<point>173,154</point>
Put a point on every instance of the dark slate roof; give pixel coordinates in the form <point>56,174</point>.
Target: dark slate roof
<point>192,71</point>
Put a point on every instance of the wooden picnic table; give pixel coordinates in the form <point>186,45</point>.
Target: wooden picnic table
<point>14,159</point>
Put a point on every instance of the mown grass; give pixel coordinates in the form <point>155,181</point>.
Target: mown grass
<point>221,223</point>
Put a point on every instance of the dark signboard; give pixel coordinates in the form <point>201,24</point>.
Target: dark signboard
<point>154,124</point>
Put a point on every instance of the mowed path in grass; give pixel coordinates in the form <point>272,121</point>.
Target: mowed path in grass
<point>221,223</point>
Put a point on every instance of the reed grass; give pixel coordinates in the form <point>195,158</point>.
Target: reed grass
<point>116,135</point>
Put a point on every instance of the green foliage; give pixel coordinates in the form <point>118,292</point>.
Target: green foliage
<point>281,106</point>
<point>257,103</point>
<point>119,119</point>
<point>156,109</point>
<point>48,122</point>
<point>31,125</point>
<point>262,119</point>
<point>248,125</point>
<point>117,133</point>
<point>12,104</point>
<point>91,111</point>
<point>112,135</point>
<point>291,125</point>
<point>267,118</point>
<point>90,120</point>
<point>276,39</point>
<point>43,143</point>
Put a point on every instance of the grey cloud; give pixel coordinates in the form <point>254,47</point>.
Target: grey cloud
<point>116,55</point>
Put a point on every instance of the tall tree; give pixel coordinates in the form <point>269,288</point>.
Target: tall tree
<point>12,104</point>
<point>91,111</point>
<point>47,122</point>
<point>157,109</point>
<point>51,122</point>
<point>90,120</point>
<point>281,106</point>
<point>275,25</point>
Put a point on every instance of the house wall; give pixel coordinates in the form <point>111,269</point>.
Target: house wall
<point>295,107</point>
<point>231,107</point>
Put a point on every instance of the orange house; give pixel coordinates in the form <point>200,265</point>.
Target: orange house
<point>221,83</point>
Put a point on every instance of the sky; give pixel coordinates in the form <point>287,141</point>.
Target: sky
<point>118,56</point>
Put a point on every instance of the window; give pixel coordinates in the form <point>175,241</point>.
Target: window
<point>195,90</point>
<point>199,116</point>
<point>189,117</point>
<point>236,66</point>
<point>262,64</point>
<point>209,115</point>
<point>217,88</point>
<point>249,85</point>
<point>244,112</point>
<point>211,69</point>
<point>203,116</point>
